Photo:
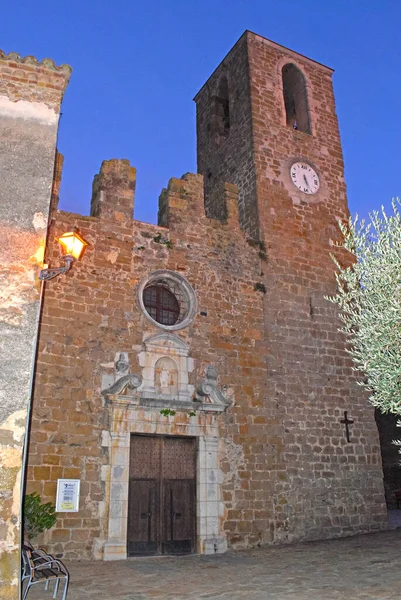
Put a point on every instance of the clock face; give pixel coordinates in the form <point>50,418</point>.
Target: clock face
<point>304,178</point>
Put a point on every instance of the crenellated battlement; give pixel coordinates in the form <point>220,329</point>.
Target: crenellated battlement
<point>29,80</point>
<point>113,191</point>
<point>181,203</point>
<point>119,242</point>
<point>46,63</point>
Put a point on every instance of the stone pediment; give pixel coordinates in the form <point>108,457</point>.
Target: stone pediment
<point>207,398</point>
<point>164,379</point>
<point>166,341</point>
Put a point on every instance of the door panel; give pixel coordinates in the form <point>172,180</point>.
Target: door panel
<point>162,495</point>
<point>178,458</point>
<point>178,534</point>
<point>143,516</point>
<point>145,457</point>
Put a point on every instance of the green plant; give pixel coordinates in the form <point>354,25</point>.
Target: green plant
<point>167,412</point>
<point>158,239</point>
<point>260,287</point>
<point>37,517</point>
<point>369,300</point>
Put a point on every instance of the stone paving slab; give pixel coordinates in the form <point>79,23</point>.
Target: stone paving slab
<point>365,567</point>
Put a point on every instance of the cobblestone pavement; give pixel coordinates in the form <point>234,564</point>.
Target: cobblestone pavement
<point>365,567</point>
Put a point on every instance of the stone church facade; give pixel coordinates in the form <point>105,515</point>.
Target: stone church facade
<point>191,374</point>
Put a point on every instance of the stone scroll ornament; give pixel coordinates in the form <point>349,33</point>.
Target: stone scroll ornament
<point>129,382</point>
<point>207,388</point>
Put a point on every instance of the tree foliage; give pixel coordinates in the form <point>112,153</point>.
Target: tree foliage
<point>369,299</point>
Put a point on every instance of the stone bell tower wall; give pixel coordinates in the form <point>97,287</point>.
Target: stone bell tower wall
<point>327,486</point>
<point>332,486</point>
<point>229,158</point>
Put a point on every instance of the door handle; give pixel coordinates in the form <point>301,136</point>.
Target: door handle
<point>145,515</point>
<point>176,515</point>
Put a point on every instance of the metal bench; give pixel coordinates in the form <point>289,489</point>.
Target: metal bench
<point>40,567</point>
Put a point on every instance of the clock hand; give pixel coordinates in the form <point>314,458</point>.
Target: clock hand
<point>306,181</point>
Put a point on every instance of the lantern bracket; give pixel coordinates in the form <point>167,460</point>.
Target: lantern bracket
<point>47,274</point>
<point>72,245</point>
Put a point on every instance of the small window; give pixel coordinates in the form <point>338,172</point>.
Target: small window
<point>161,304</point>
<point>295,98</point>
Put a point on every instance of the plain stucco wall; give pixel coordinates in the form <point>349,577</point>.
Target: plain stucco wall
<point>29,115</point>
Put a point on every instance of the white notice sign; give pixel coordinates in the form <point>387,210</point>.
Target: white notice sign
<point>67,495</point>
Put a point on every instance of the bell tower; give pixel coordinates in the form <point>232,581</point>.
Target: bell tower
<point>263,110</point>
<point>266,122</point>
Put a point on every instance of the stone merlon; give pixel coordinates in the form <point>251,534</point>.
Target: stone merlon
<point>25,79</point>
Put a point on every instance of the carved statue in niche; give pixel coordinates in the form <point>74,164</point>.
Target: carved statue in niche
<point>166,377</point>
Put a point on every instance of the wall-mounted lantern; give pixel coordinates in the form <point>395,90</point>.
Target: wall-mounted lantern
<point>72,245</point>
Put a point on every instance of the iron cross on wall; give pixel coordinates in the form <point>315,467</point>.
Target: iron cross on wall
<point>347,422</point>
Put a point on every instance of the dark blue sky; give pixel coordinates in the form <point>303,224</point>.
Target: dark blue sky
<point>137,65</point>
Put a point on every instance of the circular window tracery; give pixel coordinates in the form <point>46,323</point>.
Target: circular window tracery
<point>161,304</point>
<point>167,299</point>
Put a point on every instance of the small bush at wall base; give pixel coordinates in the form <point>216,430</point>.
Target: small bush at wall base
<point>37,517</point>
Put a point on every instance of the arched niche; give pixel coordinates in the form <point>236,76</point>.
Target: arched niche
<point>165,352</point>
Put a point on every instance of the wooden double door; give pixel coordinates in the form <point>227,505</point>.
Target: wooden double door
<point>162,495</point>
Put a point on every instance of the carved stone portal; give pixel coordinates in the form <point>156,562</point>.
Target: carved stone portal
<point>135,402</point>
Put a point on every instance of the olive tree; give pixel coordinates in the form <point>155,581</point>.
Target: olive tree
<point>369,301</point>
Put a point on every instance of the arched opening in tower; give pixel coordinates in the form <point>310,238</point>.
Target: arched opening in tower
<point>295,98</point>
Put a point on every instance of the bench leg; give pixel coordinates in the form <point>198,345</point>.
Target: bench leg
<point>65,588</point>
<point>25,591</point>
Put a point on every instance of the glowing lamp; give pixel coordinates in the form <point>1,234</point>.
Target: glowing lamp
<point>72,245</point>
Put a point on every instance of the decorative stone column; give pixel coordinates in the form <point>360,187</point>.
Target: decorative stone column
<point>209,503</point>
<point>118,479</point>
